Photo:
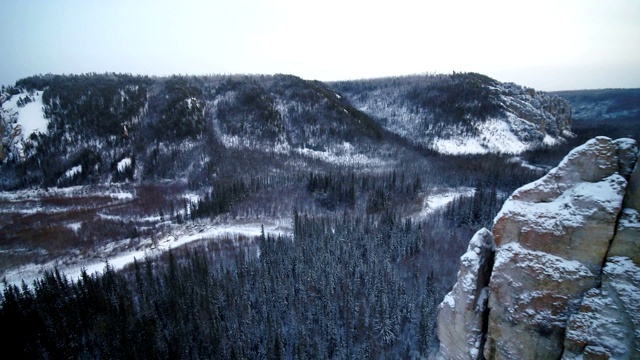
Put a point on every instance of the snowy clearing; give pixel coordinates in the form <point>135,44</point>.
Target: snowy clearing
<point>30,117</point>
<point>343,157</point>
<point>181,236</point>
<point>494,135</point>
<point>459,146</point>
<point>441,198</point>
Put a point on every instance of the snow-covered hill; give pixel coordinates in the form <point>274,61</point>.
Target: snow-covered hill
<point>463,113</point>
<point>88,129</point>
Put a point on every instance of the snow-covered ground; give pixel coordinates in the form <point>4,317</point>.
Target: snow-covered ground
<point>31,201</point>
<point>119,252</point>
<point>441,197</point>
<point>179,236</point>
<point>459,146</point>
<point>494,136</point>
<point>343,154</point>
<point>30,117</point>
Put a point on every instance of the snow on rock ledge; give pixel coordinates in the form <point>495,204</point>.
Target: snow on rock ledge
<point>572,211</point>
<point>566,259</point>
<point>608,323</point>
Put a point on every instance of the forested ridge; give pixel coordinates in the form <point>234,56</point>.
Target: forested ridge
<point>177,126</point>
<point>358,271</point>
<point>186,126</point>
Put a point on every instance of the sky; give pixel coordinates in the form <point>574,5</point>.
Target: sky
<point>545,44</point>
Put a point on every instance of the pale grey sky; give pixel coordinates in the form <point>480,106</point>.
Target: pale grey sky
<point>545,44</point>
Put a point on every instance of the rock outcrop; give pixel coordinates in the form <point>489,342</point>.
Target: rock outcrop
<point>551,114</point>
<point>607,324</point>
<point>462,335</point>
<point>565,278</point>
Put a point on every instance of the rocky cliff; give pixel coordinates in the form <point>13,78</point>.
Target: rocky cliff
<point>559,274</point>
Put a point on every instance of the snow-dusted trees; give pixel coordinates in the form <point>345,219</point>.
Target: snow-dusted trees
<point>335,291</point>
<point>9,131</point>
<point>178,111</point>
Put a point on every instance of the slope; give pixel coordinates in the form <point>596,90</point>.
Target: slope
<point>462,113</point>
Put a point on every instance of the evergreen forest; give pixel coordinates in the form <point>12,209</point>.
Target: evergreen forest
<point>363,221</point>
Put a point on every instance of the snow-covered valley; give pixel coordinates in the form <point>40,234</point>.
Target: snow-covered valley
<point>70,210</point>
<point>158,189</point>
<point>53,228</point>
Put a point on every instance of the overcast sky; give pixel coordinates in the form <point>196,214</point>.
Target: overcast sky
<point>545,44</point>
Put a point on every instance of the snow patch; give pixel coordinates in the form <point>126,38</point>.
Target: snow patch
<point>343,154</point>
<point>31,116</point>
<point>442,198</point>
<point>494,135</point>
<point>627,144</point>
<point>124,164</point>
<point>547,266</point>
<point>459,146</point>
<point>526,165</point>
<point>566,211</point>
<point>237,142</point>
<point>72,172</point>
<point>630,219</point>
<point>617,266</point>
<point>75,226</point>
<point>498,136</point>
<point>449,300</point>
<point>550,140</point>
<point>121,195</point>
<point>192,198</point>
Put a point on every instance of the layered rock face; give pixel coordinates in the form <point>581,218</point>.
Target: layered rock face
<point>551,114</point>
<point>565,278</point>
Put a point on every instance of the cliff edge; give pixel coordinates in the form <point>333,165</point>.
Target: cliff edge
<point>559,274</point>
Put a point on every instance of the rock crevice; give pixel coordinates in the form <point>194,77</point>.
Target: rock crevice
<point>560,249</point>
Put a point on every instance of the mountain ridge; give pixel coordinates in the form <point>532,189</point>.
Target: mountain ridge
<point>119,127</point>
<point>603,104</point>
<point>463,112</point>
